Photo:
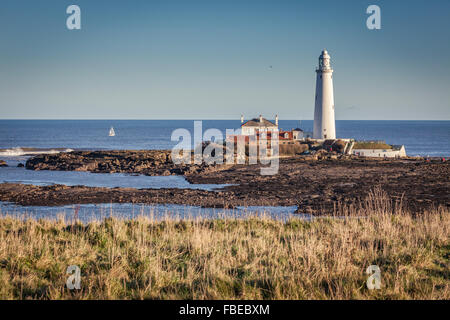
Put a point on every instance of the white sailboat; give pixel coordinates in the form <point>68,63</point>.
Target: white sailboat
<point>112,133</point>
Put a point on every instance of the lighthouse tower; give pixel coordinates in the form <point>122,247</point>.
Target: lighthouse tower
<point>324,110</point>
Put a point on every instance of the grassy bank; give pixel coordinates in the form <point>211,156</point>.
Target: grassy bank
<point>231,259</point>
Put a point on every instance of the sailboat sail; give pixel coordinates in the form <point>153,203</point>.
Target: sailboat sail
<point>112,133</point>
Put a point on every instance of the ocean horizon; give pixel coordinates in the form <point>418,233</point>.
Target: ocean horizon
<point>420,137</point>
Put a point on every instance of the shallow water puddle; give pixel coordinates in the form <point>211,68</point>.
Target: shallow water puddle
<point>91,212</point>
<point>108,180</point>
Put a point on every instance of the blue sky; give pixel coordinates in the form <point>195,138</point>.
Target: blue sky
<point>211,59</point>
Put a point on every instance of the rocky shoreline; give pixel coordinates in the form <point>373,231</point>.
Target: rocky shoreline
<point>314,186</point>
<point>146,162</point>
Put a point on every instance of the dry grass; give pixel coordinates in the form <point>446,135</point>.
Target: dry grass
<point>371,145</point>
<point>255,258</point>
<point>292,149</point>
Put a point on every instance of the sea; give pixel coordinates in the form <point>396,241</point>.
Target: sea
<point>20,139</point>
<point>421,138</point>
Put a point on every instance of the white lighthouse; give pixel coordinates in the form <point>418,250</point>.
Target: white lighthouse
<point>324,110</point>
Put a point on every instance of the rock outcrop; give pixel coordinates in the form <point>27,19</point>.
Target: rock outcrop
<point>147,162</point>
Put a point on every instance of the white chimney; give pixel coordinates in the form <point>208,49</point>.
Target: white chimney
<point>276,120</point>
<point>260,119</point>
<point>242,118</point>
